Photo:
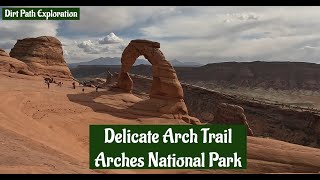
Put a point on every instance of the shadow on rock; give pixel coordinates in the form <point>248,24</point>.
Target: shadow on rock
<point>126,108</point>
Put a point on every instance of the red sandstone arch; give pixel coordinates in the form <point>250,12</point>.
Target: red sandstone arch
<point>165,82</point>
<point>165,86</point>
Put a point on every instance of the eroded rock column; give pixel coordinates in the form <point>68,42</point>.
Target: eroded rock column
<point>231,114</point>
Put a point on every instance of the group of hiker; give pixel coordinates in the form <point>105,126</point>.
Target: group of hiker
<point>51,80</point>
<point>59,84</point>
<point>74,86</point>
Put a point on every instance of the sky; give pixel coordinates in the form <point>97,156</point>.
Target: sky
<point>188,34</point>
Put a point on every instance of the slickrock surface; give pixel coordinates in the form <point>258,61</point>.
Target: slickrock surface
<point>47,131</point>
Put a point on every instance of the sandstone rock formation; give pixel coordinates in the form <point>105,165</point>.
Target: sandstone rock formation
<point>3,53</point>
<point>44,56</point>
<point>165,85</point>
<point>8,64</point>
<point>231,114</point>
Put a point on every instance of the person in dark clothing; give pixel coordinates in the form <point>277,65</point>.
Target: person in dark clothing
<point>82,89</point>
<point>48,83</point>
<point>74,85</point>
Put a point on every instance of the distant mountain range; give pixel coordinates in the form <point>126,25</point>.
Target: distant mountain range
<point>116,61</point>
<point>185,64</point>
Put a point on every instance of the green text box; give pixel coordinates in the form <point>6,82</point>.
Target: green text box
<point>41,13</point>
<point>145,153</point>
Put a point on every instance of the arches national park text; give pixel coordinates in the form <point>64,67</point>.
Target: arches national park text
<point>168,147</point>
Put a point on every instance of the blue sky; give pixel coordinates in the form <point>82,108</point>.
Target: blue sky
<point>199,34</point>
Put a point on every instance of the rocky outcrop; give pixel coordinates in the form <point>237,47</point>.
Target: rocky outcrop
<point>165,85</point>
<point>3,53</point>
<point>231,114</point>
<point>44,56</point>
<point>9,64</point>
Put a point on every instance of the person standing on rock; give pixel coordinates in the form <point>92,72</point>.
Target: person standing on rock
<point>74,85</point>
<point>48,83</point>
<point>109,76</point>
